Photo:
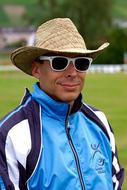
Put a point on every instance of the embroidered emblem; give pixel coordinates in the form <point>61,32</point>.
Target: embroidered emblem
<point>98,159</point>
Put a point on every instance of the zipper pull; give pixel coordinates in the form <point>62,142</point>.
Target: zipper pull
<point>68,124</point>
<point>68,130</point>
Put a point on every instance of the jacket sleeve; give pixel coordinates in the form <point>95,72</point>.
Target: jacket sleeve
<point>5,182</point>
<point>15,146</point>
<point>2,186</point>
<point>117,170</point>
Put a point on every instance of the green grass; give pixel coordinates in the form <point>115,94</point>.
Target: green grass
<point>107,92</point>
<point>12,87</point>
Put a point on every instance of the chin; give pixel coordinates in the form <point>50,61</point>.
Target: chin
<point>70,98</point>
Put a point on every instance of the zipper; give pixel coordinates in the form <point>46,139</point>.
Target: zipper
<point>74,151</point>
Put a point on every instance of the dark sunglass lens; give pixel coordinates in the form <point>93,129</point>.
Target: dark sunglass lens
<point>59,63</point>
<point>82,64</point>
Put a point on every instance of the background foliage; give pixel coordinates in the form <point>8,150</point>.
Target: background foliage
<point>94,20</point>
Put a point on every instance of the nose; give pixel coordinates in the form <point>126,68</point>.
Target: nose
<point>71,71</point>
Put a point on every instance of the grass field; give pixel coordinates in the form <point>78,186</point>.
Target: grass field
<point>104,91</point>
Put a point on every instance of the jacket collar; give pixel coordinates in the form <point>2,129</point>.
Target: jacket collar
<point>50,105</point>
<point>77,104</point>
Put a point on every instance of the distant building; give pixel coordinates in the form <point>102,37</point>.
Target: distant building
<point>10,36</point>
<point>31,39</point>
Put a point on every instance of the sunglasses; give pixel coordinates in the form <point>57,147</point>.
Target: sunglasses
<point>60,63</point>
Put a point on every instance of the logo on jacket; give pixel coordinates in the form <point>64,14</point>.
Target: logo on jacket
<point>98,158</point>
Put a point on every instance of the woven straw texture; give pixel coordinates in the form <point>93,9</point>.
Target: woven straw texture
<point>58,35</point>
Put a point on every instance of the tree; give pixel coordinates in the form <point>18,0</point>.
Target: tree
<point>40,2</point>
<point>93,18</point>
<point>118,46</point>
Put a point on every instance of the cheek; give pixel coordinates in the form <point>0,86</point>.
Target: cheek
<point>82,78</point>
<point>48,81</point>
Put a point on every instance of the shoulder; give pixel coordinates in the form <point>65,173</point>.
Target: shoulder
<point>99,118</point>
<point>98,113</point>
<point>19,116</point>
<point>94,113</point>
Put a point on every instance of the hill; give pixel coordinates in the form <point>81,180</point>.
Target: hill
<point>12,11</point>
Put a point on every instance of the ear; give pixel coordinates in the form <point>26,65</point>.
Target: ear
<point>35,70</point>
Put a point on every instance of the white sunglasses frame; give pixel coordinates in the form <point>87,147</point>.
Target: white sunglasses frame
<point>50,58</point>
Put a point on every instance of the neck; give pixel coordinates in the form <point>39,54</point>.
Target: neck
<point>71,104</point>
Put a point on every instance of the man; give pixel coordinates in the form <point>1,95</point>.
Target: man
<point>54,141</point>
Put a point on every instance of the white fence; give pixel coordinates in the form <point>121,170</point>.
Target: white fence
<point>93,68</point>
<point>108,68</point>
<point>8,68</point>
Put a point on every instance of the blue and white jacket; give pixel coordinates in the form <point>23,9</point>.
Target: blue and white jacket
<point>46,146</point>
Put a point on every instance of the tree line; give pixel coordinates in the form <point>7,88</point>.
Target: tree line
<point>93,19</point>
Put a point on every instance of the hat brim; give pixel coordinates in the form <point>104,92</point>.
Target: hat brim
<point>23,57</point>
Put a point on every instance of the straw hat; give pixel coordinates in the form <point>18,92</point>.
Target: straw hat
<point>60,36</point>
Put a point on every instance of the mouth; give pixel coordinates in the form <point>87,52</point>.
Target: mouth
<point>70,86</point>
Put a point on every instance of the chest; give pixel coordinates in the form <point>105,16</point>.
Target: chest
<point>73,156</point>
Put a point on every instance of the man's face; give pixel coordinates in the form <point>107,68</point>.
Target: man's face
<point>62,86</point>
